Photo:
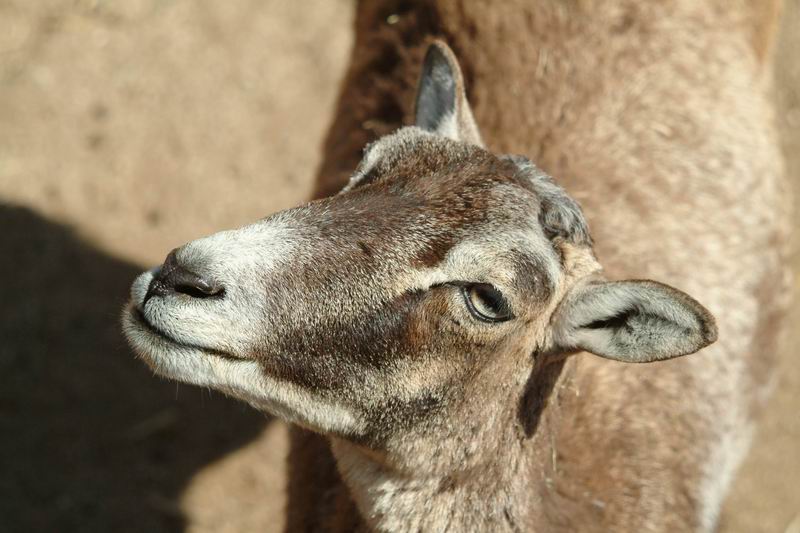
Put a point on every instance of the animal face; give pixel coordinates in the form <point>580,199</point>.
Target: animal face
<point>435,277</point>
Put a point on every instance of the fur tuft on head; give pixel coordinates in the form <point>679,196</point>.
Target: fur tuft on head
<point>560,215</point>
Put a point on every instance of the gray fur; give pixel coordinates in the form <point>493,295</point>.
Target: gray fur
<point>560,215</point>
<point>349,316</point>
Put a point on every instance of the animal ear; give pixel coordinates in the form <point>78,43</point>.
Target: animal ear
<point>441,105</point>
<point>633,321</point>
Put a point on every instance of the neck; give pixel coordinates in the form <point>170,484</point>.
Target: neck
<point>487,498</point>
<point>493,477</point>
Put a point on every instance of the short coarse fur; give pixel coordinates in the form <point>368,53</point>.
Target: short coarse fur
<point>434,322</point>
<point>655,117</point>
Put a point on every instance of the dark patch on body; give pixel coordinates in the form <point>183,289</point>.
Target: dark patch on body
<point>365,248</point>
<point>538,392</point>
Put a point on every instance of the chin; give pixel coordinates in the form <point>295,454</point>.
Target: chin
<point>240,378</point>
<point>189,364</point>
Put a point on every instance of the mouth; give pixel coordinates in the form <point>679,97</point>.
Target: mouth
<point>141,321</point>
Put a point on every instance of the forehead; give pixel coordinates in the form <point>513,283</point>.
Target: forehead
<point>423,162</point>
<point>417,199</point>
<point>456,185</point>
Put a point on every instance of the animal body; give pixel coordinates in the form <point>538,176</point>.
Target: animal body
<point>465,343</point>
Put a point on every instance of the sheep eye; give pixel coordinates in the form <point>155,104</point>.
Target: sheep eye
<point>486,303</point>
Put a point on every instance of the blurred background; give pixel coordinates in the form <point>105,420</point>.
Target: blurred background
<point>128,128</point>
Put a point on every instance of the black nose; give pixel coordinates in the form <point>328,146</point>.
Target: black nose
<point>173,277</point>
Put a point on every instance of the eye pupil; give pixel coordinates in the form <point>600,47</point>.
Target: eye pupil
<point>487,303</point>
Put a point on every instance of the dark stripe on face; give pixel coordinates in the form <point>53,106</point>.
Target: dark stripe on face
<point>434,251</point>
<point>532,277</point>
<point>332,355</point>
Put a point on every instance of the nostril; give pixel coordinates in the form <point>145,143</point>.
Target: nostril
<point>199,289</point>
<point>187,282</point>
<point>174,277</point>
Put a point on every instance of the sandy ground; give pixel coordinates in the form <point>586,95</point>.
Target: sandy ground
<point>128,128</point>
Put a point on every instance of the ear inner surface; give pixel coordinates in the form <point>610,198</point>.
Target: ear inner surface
<point>436,96</point>
<point>441,105</point>
<point>634,321</point>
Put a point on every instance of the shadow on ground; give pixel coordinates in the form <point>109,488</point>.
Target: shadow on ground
<point>91,440</point>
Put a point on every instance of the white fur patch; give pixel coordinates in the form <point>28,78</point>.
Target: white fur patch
<point>448,127</point>
<point>198,327</point>
<point>727,455</point>
<point>243,379</point>
<point>476,260</point>
<point>236,260</point>
<point>371,158</point>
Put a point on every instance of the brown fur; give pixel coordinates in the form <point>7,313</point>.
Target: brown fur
<point>655,117</point>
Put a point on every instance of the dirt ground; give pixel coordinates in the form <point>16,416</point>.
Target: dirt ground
<point>128,128</point>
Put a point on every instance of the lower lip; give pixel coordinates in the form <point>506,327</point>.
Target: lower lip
<point>139,317</point>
